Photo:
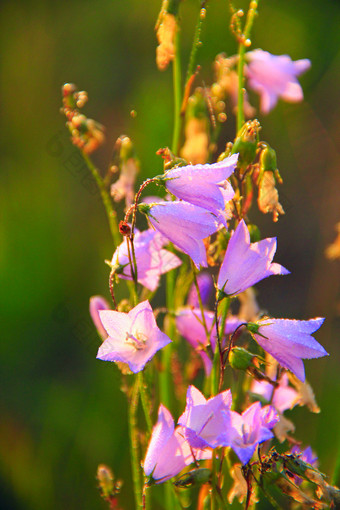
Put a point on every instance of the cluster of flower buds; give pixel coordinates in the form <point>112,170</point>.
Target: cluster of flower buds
<point>166,28</point>
<point>128,168</point>
<point>86,134</point>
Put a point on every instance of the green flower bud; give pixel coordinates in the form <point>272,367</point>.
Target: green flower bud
<point>240,359</point>
<point>246,143</point>
<point>195,477</point>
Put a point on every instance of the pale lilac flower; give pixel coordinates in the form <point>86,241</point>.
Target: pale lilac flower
<point>247,263</point>
<point>189,324</point>
<point>247,430</point>
<point>205,285</point>
<point>134,337</point>
<point>274,76</point>
<point>168,451</point>
<point>152,260</point>
<point>203,420</point>
<point>203,185</point>
<point>98,303</point>
<point>289,341</point>
<point>185,225</point>
<point>284,397</point>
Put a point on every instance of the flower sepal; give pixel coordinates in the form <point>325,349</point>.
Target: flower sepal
<point>195,477</point>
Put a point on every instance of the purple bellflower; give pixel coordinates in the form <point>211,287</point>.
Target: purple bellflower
<point>152,260</point>
<point>203,420</point>
<point>134,337</point>
<point>189,325</point>
<point>204,185</point>
<point>247,263</point>
<point>185,225</point>
<point>274,76</point>
<point>168,451</point>
<point>289,341</point>
<point>205,285</point>
<point>98,303</point>
<point>284,397</point>
<point>247,430</point>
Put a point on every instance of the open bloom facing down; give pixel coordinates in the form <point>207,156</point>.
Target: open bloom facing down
<point>247,263</point>
<point>168,451</point>
<point>134,337</point>
<point>204,185</point>
<point>152,260</point>
<point>185,225</point>
<point>274,76</point>
<point>289,341</point>
<point>203,420</point>
<point>247,430</point>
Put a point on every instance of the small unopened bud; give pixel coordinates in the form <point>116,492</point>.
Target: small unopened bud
<point>98,303</point>
<point>240,359</point>
<point>124,228</point>
<point>106,481</point>
<point>246,143</point>
<point>195,477</point>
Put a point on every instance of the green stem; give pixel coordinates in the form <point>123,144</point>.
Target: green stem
<point>110,212</point>
<point>177,86</point>
<point>196,42</point>
<point>134,444</point>
<point>243,44</point>
<point>145,403</point>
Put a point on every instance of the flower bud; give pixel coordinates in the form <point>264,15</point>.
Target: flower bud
<point>246,143</point>
<point>98,303</point>
<point>106,481</point>
<point>194,477</point>
<point>240,359</point>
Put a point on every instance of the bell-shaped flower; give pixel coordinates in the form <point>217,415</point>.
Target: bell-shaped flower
<point>98,303</point>
<point>289,341</point>
<point>134,337</point>
<point>189,324</point>
<point>203,185</point>
<point>247,430</point>
<point>203,420</point>
<point>185,225</point>
<point>274,77</point>
<point>247,263</point>
<point>282,397</point>
<point>168,451</point>
<point>152,261</point>
<point>205,285</point>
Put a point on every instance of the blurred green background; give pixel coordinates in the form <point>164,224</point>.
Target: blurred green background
<point>62,412</point>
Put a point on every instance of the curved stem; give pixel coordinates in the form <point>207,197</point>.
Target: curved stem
<point>110,212</point>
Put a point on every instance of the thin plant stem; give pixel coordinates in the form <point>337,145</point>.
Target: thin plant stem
<point>177,87</point>
<point>110,212</point>
<point>134,444</point>
<point>196,42</point>
<point>244,42</point>
<point>145,403</point>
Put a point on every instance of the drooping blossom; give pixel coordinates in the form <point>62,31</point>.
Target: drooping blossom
<point>289,341</point>
<point>247,263</point>
<point>274,77</point>
<point>205,285</point>
<point>203,420</point>
<point>249,429</point>
<point>168,451</point>
<point>134,337</point>
<point>185,225</point>
<point>98,303</point>
<point>152,260</point>
<point>204,185</point>
<point>189,324</point>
